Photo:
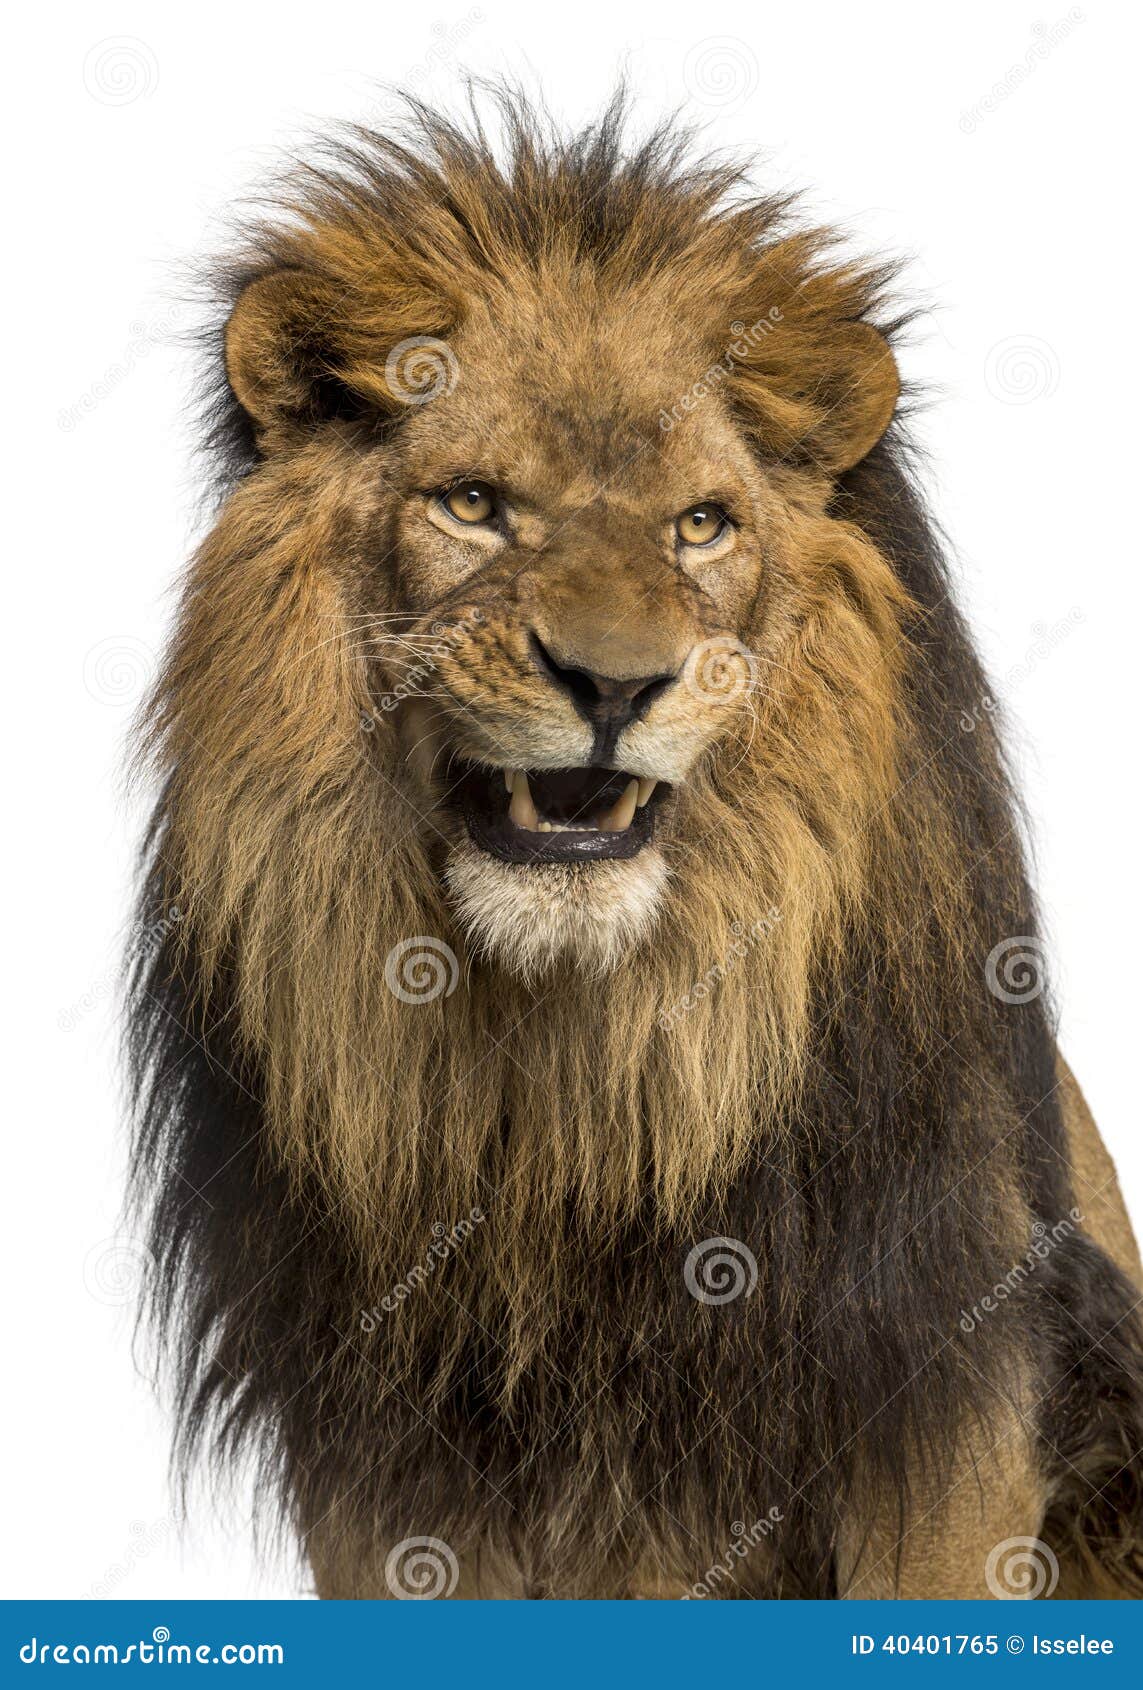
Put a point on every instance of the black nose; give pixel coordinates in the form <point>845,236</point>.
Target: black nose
<point>606,702</point>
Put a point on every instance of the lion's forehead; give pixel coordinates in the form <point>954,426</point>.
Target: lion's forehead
<point>575,433</point>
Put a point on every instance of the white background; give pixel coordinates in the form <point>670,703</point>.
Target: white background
<point>990,143</point>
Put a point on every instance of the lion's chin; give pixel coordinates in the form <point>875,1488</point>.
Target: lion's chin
<point>530,917</point>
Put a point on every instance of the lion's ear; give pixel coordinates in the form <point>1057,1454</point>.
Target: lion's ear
<point>827,394</point>
<point>280,359</point>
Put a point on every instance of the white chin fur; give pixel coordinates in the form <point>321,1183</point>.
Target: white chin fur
<point>590,914</point>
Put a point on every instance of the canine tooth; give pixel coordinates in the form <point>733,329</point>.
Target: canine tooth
<point>507,773</point>
<point>522,810</point>
<point>623,813</point>
<point>646,787</point>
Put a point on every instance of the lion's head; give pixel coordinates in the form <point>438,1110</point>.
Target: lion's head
<point>563,463</point>
<point>534,646</point>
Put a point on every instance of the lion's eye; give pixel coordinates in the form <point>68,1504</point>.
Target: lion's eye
<point>701,525</point>
<point>470,501</point>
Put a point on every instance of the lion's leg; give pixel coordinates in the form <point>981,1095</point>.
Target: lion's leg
<point>958,1540</point>
<point>1094,1180</point>
<point>1096,1522</point>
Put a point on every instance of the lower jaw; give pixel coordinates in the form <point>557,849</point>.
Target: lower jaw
<point>511,844</point>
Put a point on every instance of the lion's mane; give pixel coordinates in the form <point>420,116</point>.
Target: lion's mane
<point>805,1058</point>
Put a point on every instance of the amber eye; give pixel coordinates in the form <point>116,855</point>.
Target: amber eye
<point>701,525</point>
<point>470,501</point>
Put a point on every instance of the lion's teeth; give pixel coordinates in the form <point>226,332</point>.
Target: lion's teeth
<point>623,813</point>
<point>507,773</point>
<point>646,787</point>
<point>522,810</point>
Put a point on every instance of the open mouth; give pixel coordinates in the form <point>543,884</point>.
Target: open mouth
<point>559,815</point>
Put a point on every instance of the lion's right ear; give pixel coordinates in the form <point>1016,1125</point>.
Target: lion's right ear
<point>279,345</point>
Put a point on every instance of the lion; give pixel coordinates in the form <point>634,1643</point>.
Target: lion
<point>598,1107</point>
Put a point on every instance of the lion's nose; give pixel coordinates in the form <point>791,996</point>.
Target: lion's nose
<point>607,702</point>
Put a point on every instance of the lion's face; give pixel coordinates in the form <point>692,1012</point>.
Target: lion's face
<point>573,514</point>
<point>576,591</point>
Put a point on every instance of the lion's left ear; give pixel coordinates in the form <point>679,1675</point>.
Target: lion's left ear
<point>825,394</point>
